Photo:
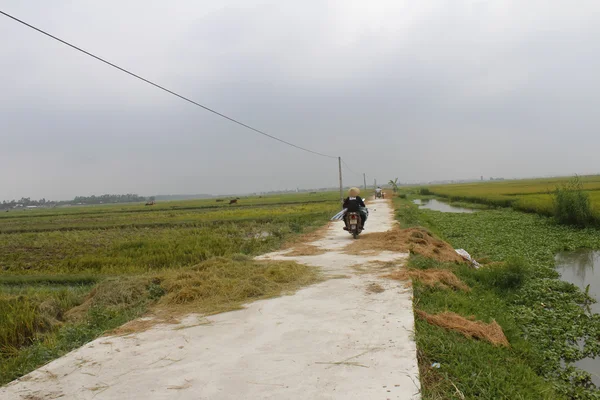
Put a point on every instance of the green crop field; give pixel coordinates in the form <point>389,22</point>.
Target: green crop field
<point>530,195</point>
<point>69,274</point>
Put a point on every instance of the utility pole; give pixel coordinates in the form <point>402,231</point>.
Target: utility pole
<point>341,185</point>
<point>375,184</point>
<point>365,180</point>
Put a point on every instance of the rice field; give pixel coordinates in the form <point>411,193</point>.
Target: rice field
<point>529,195</point>
<point>69,274</point>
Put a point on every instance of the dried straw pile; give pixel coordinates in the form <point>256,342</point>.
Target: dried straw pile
<point>491,332</point>
<point>441,278</point>
<point>416,240</point>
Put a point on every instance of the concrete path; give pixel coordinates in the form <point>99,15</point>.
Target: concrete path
<point>350,337</point>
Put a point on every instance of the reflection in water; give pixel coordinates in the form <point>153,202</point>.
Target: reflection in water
<point>582,268</point>
<point>436,205</point>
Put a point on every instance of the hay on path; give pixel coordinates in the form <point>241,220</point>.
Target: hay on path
<point>307,238</point>
<point>491,332</point>
<point>212,286</point>
<point>155,317</point>
<point>305,249</point>
<point>375,288</point>
<point>377,267</point>
<point>431,277</point>
<point>413,240</point>
<point>302,245</point>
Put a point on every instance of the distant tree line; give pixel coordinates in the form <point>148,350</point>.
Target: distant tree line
<point>103,199</point>
<point>25,202</point>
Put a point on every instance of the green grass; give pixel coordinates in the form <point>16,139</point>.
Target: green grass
<point>477,369</point>
<point>572,204</point>
<point>47,344</point>
<point>67,275</point>
<point>543,317</point>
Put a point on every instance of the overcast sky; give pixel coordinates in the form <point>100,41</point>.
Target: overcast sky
<point>419,90</point>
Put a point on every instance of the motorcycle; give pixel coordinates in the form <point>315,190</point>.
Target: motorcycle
<point>354,223</point>
<point>379,195</point>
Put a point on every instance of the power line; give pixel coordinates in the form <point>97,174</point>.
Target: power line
<point>350,169</point>
<point>163,88</point>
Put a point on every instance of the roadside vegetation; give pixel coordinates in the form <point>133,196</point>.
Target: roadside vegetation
<point>578,198</point>
<point>545,320</point>
<point>70,275</point>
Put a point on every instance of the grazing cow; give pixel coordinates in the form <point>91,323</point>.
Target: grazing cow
<point>219,200</point>
<point>234,201</point>
<point>150,203</point>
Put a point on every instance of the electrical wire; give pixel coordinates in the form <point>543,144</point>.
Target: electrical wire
<point>163,88</point>
<point>350,169</point>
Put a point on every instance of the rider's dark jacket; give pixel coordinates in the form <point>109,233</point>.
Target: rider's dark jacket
<point>353,204</point>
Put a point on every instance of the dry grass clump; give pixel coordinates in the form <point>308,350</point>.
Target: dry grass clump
<point>308,237</point>
<point>375,288</point>
<point>415,240</point>
<point>301,245</point>
<point>222,284</point>
<point>491,332</point>
<point>441,278</point>
<point>142,324</point>
<point>215,285</point>
<point>114,294</point>
<point>377,267</point>
<point>305,249</point>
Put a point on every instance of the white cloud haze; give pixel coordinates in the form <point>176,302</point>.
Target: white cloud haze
<point>409,89</point>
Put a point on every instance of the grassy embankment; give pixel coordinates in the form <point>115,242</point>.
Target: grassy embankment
<point>68,275</point>
<point>543,317</point>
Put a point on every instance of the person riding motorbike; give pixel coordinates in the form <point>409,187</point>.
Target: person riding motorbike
<point>378,192</point>
<point>353,203</point>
